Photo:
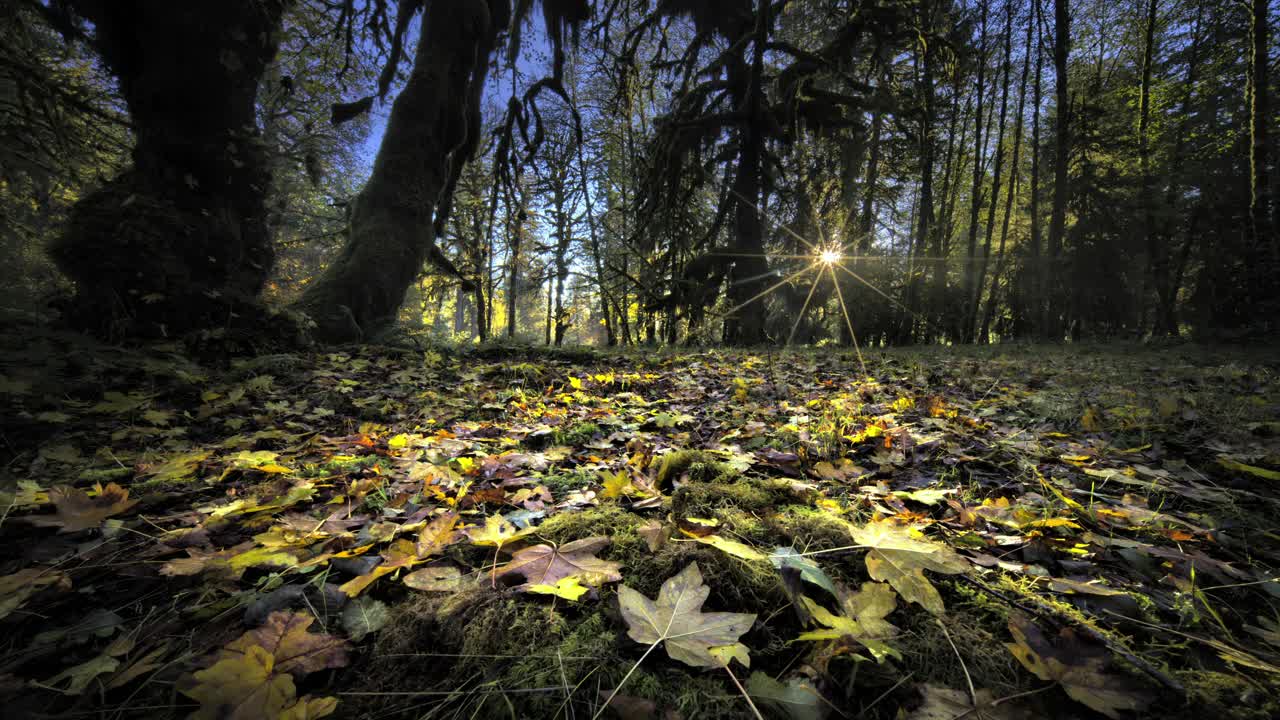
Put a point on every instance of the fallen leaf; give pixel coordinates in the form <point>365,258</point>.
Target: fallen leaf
<point>1254,470</point>
<point>861,619</point>
<point>1079,668</point>
<point>900,558</point>
<point>250,686</point>
<point>76,510</point>
<point>788,557</point>
<point>941,703</point>
<point>732,547</point>
<point>435,579</point>
<point>798,699</point>
<point>546,565</point>
<point>401,553</point>
<point>364,615</point>
<point>438,534</point>
<point>676,619</point>
<point>568,588</point>
<point>15,588</point>
<point>495,532</point>
<point>293,650</point>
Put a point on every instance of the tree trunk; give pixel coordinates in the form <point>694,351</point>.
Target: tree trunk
<point>976,301</point>
<point>975,198</point>
<point>179,240</point>
<point>1002,257</point>
<point>1051,326</point>
<point>749,274</point>
<point>1157,251</point>
<point>1259,193</point>
<point>924,227</point>
<point>1033,291</point>
<point>392,224</point>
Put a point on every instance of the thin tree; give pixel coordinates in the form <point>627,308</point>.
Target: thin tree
<point>975,192</point>
<point>1051,325</point>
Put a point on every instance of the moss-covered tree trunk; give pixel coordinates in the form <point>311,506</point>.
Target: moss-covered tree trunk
<point>179,240</point>
<point>392,222</point>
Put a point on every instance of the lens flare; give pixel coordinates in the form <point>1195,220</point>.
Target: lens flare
<point>829,257</point>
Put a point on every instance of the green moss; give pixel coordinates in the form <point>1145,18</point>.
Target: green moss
<point>577,434</point>
<point>1220,695</point>
<point>701,467</point>
<point>750,496</point>
<point>809,528</point>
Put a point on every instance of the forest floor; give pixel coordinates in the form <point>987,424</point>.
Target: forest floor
<point>1011,532</point>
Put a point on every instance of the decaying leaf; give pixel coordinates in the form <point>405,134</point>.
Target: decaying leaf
<point>77,510</point>
<point>364,615</point>
<point>798,699</point>
<point>547,565</point>
<point>1080,668</point>
<point>941,703</point>
<point>899,556</point>
<point>676,619</point>
<point>861,619</point>
<point>15,588</point>
<point>250,686</point>
<point>293,650</point>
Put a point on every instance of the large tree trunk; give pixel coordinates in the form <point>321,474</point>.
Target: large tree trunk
<point>179,240</point>
<point>392,222</point>
<point>748,277</point>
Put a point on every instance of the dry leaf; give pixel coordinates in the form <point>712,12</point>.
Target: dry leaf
<point>1078,667</point>
<point>76,510</point>
<point>293,650</point>
<point>676,619</point>
<point>547,565</point>
<point>898,557</point>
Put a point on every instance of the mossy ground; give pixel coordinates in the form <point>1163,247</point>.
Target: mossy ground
<point>360,430</point>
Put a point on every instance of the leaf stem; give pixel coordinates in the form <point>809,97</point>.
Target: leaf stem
<point>743,690</point>
<point>625,678</point>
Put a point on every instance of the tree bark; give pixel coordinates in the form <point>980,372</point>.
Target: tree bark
<point>1051,326</point>
<point>392,224</point>
<point>1259,192</point>
<point>179,241</point>
<point>965,331</point>
<point>976,300</point>
<point>1002,257</point>
<point>749,273</point>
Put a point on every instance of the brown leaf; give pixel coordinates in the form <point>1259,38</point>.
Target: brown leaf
<point>77,511</point>
<point>437,535</point>
<point>292,648</point>
<point>1079,668</point>
<point>546,565</point>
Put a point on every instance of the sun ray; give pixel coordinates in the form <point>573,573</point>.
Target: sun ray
<point>848,323</point>
<point>892,300</point>
<point>796,325</point>
<point>766,291</point>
